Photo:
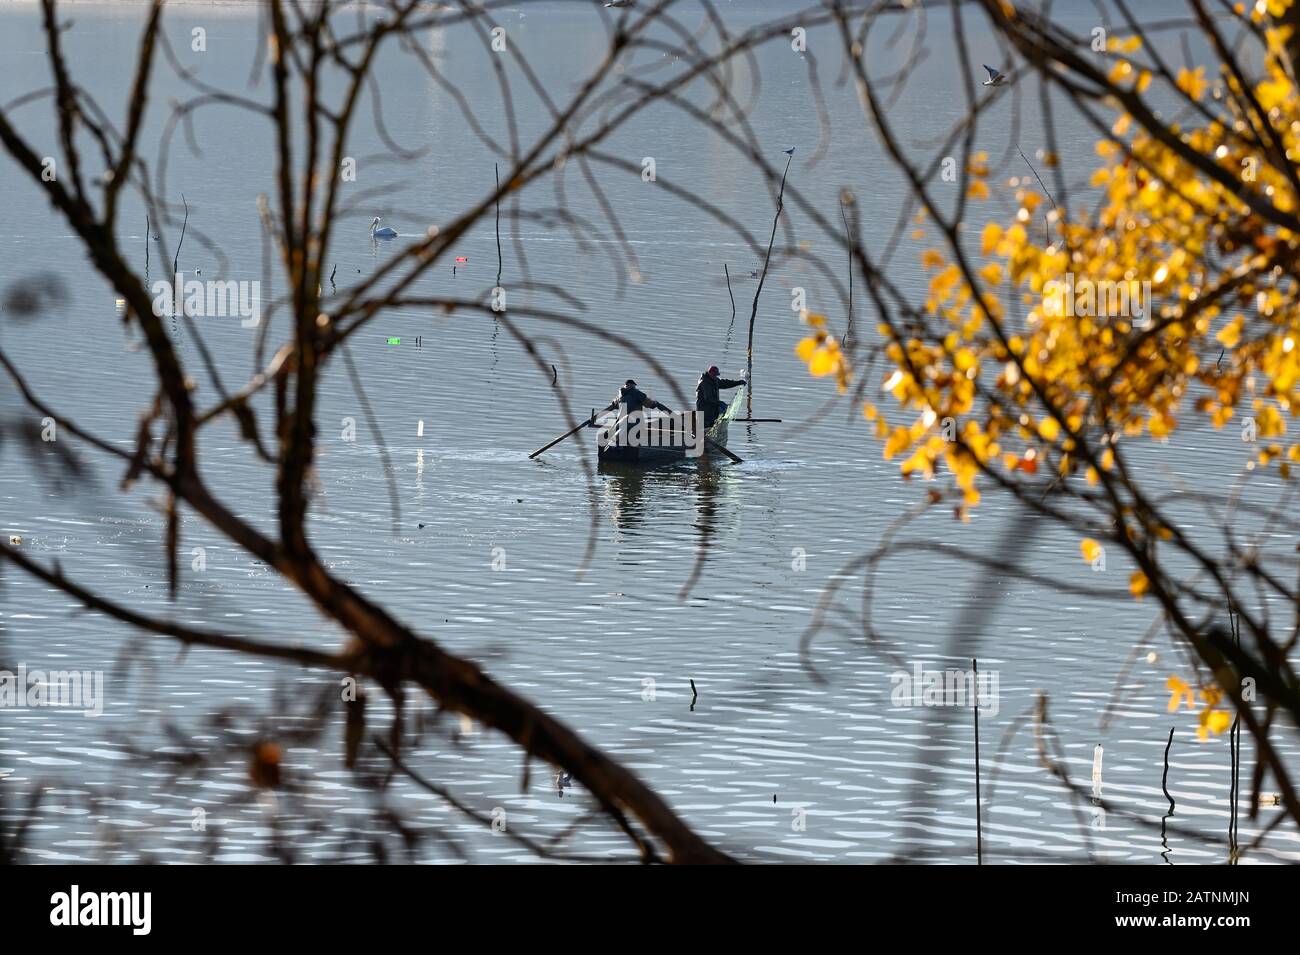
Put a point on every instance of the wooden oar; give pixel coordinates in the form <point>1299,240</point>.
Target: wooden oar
<point>568,434</point>
<point>709,441</point>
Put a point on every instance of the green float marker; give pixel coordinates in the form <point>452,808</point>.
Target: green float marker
<point>394,341</point>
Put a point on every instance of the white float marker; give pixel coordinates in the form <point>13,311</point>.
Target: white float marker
<point>1096,770</point>
<point>419,429</point>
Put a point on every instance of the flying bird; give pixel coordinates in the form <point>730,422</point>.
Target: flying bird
<point>995,78</point>
<point>384,233</point>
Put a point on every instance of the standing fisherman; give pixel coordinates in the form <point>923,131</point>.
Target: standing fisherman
<point>707,399</point>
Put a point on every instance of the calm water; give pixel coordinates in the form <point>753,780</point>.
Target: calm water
<point>581,636</point>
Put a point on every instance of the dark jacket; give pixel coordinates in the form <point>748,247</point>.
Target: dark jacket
<point>706,395</point>
<point>634,398</point>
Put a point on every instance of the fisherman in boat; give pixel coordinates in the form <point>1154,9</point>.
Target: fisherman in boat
<point>631,405</point>
<point>633,399</point>
<point>707,399</point>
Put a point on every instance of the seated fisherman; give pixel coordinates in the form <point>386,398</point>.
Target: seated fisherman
<point>632,399</point>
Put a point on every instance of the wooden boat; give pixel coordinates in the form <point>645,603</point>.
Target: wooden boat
<point>671,443</point>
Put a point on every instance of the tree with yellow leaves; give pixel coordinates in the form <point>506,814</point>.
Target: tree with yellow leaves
<point>1041,358</point>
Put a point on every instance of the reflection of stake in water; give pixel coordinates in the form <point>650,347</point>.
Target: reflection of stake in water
<point>419,454</point>
<point>1099,816</point>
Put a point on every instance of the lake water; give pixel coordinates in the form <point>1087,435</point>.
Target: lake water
<point>781,757</point>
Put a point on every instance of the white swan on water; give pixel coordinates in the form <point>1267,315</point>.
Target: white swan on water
<point>384,233</point>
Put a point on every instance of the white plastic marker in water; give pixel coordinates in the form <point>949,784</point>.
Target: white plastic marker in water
<point>419,429</point>
<point>1096,765</point>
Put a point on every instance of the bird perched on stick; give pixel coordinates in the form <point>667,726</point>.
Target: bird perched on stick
<point>789,152</point>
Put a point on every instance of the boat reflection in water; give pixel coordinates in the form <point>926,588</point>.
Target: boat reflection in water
<point>640,501</point>
<point>655,486</point>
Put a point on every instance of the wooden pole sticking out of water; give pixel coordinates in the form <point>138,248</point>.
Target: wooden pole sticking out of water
<point>727,272</point>
<point>176,259</point>
<point>753,311</point>
<point>1047,225</point>
<point>497,169</point>
<point>975,708</point>
<point>848,242</point>
<point>1234,742</point>
<point>1164,780</point>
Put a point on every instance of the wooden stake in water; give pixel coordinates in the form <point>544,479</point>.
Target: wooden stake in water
<point>753,312</point>
<point>1234,744</point>
<point>1164,780</point>
<point>979,834</point>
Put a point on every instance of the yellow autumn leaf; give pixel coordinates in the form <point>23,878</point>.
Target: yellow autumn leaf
<point>824,362</point>
<point>992,273</point>
<point>1138,584</point>
<point>1192,82</point>
<point>1090,549</point>
<point>1230,334</point>
<point>1180,692</point>
<point>990,237</point>
<point>1213,722</point>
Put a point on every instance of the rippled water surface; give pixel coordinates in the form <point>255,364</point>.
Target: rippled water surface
<point>782,755</point>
